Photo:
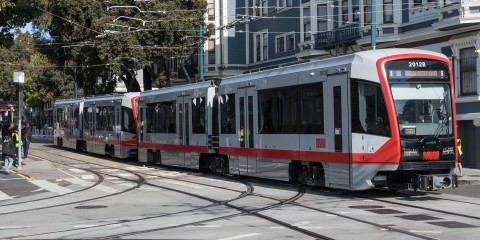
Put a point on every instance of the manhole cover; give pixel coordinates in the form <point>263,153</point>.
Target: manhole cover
<point>90,207</point>
<point>365,206</point>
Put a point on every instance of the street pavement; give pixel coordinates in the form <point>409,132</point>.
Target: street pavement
<point>42,169</point>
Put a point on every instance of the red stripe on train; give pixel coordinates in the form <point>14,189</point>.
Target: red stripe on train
<point>174,147</point>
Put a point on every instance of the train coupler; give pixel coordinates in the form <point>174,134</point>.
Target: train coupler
<point>436,182</point>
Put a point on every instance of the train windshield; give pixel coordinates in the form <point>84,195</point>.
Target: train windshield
<point>423,109</point>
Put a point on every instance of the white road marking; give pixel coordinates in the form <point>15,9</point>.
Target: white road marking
<point>76,170</point>
<point>4,196</point>
<point>426,231</point>
<point>205,226</point>
<point>241,236</point>
<point>52,187</point>
<point>125,175</point>
<point>84,183</point>
<point>14,227</point>
<point>88,177</point>
<point>8,179</point>
<point>183,184</point>
<point>139,168</point>
<point>96,225</point>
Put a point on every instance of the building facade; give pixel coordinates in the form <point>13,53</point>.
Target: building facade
<point>250,35</point>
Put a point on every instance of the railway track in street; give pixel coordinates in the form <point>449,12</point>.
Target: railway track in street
<point>173,202</point>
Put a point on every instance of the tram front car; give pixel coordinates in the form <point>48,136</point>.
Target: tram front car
<point>422,95</point>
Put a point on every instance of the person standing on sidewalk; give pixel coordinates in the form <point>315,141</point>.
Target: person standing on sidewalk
<point>26,138</point>
<point>17,142</point>
<point>460,157</point>
<point>9,152</point>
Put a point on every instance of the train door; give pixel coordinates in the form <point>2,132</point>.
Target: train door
<point>245,131</point>
<point>91,124</point>
<point>338,172</point>
<point>183,129</point>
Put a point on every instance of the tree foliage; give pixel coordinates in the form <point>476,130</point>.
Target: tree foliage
<point>16,14</point>
<point>109,40</point>
<point>95,43</point>
<point>44,82</point>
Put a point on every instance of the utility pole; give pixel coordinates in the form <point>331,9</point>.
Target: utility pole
<point>374,25</point>
<point>200,62</point>
<point>75,85</point>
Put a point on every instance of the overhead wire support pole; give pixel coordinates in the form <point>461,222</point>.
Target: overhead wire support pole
<point>201,53</point>
<point>374,25</point>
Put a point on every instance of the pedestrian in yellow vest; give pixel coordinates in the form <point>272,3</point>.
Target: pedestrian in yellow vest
<point>460,157</point>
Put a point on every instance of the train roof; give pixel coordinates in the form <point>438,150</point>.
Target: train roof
<point>362,57</point>
<point>115,96</point>
<point>179,88</point>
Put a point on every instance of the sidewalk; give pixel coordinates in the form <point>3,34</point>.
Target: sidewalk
<point>40,169</point>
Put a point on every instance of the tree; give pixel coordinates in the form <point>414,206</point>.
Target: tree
<point>113,38</point>
<point>16,14</point>
<point>44,82</point>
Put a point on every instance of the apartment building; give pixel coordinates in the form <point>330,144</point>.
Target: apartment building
<point>250,35</point>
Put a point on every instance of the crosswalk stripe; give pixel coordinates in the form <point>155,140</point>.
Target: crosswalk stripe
<point>84,183</point>
<point>52,187</point>
<point>4,196</point>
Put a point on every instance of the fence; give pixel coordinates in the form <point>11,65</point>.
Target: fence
<point>42,135</point>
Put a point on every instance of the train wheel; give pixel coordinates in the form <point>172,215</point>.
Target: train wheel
<point>112,151</point>
<point>295,172</point>
<point>225,166</point>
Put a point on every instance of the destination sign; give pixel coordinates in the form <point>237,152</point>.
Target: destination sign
<point>417,69</point>
<point>416,73</point>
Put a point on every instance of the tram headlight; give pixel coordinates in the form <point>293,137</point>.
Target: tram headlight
<point>448,151</point>
<point>410,152</point>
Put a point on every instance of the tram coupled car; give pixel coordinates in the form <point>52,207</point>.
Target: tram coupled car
<point>381,118</point>
<point>99,124</point>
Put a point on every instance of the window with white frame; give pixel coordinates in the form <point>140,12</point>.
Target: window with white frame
<point>211,51</point>
<point>468,71</point>
<point>261,46</point>
<point>387,11</point>
<point>417,2</point>
<point>322,17</point>
<point>356,10</point>
<point>285,43</point>
<point>260,8</point>
<point>284,3</point>
<point>290,42</point>
<point>211,10</point>
<point>307,25</point>
<point>344,11</point>
<point>367,12</point>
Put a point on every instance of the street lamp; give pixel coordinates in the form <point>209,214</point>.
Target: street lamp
<point>19,77</point>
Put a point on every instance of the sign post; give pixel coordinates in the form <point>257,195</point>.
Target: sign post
<point>19,77</point>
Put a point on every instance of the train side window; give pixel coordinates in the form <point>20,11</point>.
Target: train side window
<point>128,123</point>
<point>291,110</point>
<point>75,117</point>
<point>198,115</point>
<point>227,113</point>
<point>369,112</point>
<point>311,108</point>
<point>160,117</point>
<point>105,118</point>
<point>86,118</point>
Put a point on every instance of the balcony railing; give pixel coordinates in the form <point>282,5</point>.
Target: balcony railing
<point>456,13</point>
